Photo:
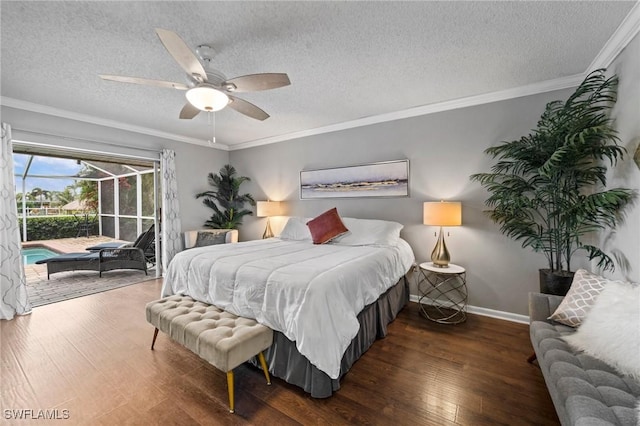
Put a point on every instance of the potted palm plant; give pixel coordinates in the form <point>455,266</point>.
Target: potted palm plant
<point>548,188</point>
<point>225,200</point>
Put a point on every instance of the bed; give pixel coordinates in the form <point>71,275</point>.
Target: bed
<point>326,303</point>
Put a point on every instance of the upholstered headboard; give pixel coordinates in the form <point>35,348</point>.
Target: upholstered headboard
<point>190,237</point>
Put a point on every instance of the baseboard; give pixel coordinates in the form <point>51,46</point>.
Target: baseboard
<point>507,316</point>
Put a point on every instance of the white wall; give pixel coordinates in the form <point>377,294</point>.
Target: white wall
<point>193,162</point>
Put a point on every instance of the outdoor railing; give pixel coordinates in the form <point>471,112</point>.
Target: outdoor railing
<point>48,211</point>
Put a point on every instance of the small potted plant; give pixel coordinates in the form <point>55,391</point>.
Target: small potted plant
<point>225,200</point>
<point>548,188</point>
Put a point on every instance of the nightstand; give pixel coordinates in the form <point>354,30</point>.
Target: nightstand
<point>443,293</point>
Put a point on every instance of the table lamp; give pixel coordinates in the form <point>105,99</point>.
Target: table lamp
<point>267,209</point>
<point>442,213</point>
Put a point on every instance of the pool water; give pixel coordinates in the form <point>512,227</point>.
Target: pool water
<point>33,254</point>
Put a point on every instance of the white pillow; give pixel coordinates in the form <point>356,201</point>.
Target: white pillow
<point>369,232</point>
<point>611,330</point>
<point>585,289</point>
<point>296,229</point>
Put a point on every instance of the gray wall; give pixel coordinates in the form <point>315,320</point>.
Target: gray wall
<point>444,149</point>
<point>193,162</point>
<point>624,242</point>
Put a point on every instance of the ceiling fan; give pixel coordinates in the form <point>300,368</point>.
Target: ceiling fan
<point>208,91</point>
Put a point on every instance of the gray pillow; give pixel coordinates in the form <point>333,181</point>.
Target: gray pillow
<point>210,238</point>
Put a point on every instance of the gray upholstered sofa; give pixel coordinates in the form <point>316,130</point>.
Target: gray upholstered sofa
<point>584,390</point>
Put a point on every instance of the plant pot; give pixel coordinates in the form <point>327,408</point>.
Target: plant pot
<point>557,283</point>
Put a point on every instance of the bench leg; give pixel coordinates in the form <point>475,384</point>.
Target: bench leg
<point>230,389</point>
<point>155,335</point>
<point>263,363</point>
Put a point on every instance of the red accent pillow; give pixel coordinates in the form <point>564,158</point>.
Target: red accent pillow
<point>326,227</point>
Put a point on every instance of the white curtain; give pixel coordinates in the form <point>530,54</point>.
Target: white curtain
<point>171,230</point>
<point>13,283</point>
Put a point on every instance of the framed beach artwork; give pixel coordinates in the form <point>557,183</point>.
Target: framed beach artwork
<point>386,179</point>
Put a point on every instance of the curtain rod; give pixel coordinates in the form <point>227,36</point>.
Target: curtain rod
<point>155,151</point>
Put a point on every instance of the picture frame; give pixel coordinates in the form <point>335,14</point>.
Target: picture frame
<point>374,180</point>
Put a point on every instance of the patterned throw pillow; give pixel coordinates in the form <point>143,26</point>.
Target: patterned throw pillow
<point>575,306</point>
<point>210,238</point>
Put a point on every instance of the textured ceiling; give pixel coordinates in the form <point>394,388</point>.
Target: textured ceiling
<point>346,60</point>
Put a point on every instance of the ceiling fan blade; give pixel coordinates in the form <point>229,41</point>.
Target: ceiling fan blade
<point>256,82</point>
<point>179,50</point>
<point>247,108</point>
<point>188,111</point>
<point>145,82</point>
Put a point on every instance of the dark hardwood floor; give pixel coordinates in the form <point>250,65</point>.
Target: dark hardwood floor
<point>91,356</point>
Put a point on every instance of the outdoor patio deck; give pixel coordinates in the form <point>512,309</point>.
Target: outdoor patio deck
<point>72,284</point>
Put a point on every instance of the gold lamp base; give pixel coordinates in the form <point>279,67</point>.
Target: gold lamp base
<point>440,255</point>
<point>268,233</point>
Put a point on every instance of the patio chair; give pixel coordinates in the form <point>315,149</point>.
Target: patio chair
<point>85,223</point>
<point>105,259</point>
<point>146,241</point>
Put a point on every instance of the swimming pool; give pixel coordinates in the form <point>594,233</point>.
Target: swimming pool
<point>33,254</point>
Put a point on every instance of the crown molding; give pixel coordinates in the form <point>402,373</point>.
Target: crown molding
<point>627,30</point>
<point>531,89</point>
<point>56,112</point>
<point>623,35</point>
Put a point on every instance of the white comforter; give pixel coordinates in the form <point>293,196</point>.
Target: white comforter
<point>311,293</point>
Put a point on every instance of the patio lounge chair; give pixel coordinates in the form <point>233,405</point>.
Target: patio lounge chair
<point>146,241</point>
<point>105,259</point>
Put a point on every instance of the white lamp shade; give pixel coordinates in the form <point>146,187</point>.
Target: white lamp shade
<point>207,98</point>
<point>442,213</point>
<point>267,208</point>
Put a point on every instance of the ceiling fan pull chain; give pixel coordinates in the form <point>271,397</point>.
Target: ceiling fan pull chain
<point>213,115</point>
<point>209,124</point>
<point>211,119</point>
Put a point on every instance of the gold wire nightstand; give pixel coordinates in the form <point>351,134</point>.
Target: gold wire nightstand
<point>443,293</point>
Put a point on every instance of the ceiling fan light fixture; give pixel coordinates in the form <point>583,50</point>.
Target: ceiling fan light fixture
<point>207,98</point>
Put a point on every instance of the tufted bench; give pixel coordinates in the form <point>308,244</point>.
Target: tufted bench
<point>584,390</point>
<point>223,339</point>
